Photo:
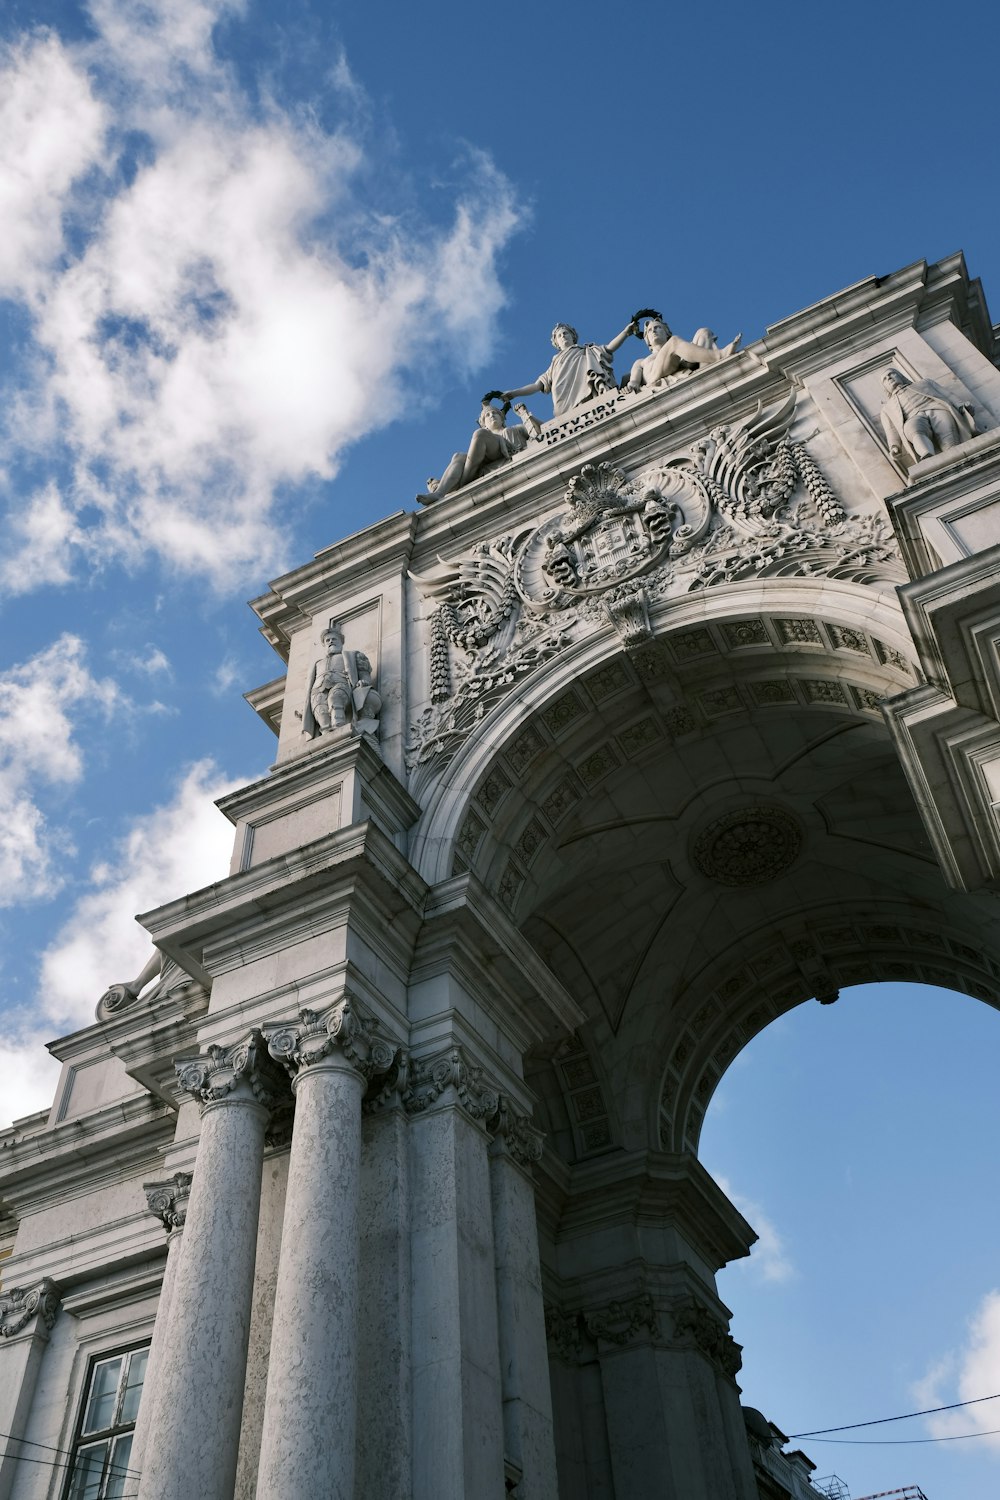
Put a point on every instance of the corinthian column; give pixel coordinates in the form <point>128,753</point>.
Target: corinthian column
<point>308,1440</point>
<point>168,1200</point>
<point>194,1424</point>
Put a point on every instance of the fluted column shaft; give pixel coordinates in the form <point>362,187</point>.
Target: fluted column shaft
<point>194,1426</point>
<point>310,1412</point>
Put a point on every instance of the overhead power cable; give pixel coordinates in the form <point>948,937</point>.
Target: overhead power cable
<point>906,1415</point>
<point>956,1437</point>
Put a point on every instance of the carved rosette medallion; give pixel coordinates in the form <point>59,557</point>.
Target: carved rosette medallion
<point>344,1031</point>
<point>214,1076</point>
<point>749,846</point>
<point>168,1199</point>
<point>21,1304</point>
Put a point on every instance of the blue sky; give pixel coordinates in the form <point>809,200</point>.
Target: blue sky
<point>259,263</point>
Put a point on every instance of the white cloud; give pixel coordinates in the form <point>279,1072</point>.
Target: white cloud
<point>44,541</point>
<point>41,703</point>
<point>965,1375</point>
<point>151,661</point>
<point>178,847</point>
<point>226,674</point>
<point>236,314</point>
<point>51,133</point>
<point>769,1258</point>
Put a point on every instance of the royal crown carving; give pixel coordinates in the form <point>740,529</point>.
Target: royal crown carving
<point>744,501</point>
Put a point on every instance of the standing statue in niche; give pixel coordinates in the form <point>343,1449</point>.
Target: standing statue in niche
<point>492,443</point>
<point>578,371</point>
<point>919,419</point>
<point>340,690</point>
<point>670,355</point>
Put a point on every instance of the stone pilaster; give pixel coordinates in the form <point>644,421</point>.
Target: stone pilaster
<point>457,1388</point>
<point>309,1431</point>
<point>194,1422</point>
<point>27,1315</point>
<point>642,1338</point>
<point>168,1201</point>
<point>527,1402</point>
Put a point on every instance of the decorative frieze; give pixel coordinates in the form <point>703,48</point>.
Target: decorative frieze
<point>21,1304</point>
<point>621,1322</point>
<point>216,1074</point>
<point>168,1199</point>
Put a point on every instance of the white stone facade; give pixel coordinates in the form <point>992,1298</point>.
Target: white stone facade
<point>687,714</point>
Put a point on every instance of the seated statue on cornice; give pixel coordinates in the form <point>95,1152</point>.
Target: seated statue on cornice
<point>492,443</point>
<point>577,371</point>
<point>920,419</point>
<point>670,355</point>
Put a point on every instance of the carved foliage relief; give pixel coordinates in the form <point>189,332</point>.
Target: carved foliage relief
<point>744,501</point>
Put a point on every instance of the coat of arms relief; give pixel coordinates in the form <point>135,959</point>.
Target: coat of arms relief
<point>743,501</point>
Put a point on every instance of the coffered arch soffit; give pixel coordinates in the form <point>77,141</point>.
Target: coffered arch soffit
<point>658,821</point>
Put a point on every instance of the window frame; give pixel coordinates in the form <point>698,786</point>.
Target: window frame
<point>82,1441</point>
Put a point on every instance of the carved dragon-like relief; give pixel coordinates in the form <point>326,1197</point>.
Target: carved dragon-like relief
<point>744,501</point>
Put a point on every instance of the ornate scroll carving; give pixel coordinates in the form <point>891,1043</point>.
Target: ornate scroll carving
<point>696,1326</point>
<point>168,1199</point>
<point>216,1074</point>
<point>515,1134</point>
<point>744,501</point>
<point>621,1322</point>
<point>344,1029</point>
<point>21,1304</point>
<point>429,1078</point>
<point>450,1075</point>
<point>563,1332</point>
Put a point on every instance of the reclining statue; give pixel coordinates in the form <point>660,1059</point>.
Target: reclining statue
<point>670,355</point>
<point>492,443</point>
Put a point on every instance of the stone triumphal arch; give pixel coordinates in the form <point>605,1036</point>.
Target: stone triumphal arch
<point>665,714</point>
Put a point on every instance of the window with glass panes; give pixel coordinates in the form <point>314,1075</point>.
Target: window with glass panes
<point>100,1467</point>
